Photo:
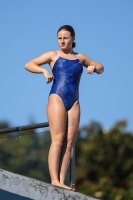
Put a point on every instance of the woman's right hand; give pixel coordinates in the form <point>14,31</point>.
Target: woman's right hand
<point>49,77</point>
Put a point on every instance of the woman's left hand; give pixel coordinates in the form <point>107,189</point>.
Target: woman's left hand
<point>90,69</point>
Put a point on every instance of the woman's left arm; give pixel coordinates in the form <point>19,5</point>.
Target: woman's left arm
<point>91,65</point>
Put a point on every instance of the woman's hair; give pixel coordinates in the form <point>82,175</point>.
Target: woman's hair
<point>70,29</point>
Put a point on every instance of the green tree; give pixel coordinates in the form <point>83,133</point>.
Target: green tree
<point>104,161</point>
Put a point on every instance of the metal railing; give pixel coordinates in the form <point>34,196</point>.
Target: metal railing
<point>44,125</point>
<point>23,128</point>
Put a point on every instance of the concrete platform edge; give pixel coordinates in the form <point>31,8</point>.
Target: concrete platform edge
<point>35,189</point>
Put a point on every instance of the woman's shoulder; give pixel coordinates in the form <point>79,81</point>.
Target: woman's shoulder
<point>51,52</point>
<point>81,56</point>
<point>50,55</point>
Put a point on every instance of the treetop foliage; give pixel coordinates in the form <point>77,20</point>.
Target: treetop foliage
<point>104,161</point>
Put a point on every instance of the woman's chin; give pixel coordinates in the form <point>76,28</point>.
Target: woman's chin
<point>63,47</point>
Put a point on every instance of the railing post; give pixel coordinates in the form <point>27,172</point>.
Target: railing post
<point>72,167</point>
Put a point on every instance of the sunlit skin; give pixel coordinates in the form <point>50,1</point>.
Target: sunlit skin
<point>63,124</point>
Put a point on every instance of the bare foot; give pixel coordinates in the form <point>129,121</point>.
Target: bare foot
<point>63,186</point>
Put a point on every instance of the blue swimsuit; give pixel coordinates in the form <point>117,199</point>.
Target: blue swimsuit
<point>67,75</point>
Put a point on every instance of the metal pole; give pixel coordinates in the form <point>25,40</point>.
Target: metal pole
<point>72,167</point>
<point>22,128</point>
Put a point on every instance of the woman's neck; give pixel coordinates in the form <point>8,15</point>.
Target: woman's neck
<point>68,51</point>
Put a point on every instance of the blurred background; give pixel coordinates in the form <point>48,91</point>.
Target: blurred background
<point>103,32</point>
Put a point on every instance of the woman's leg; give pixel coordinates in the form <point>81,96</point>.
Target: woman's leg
<point>72,127</point>
<point>57,117</point>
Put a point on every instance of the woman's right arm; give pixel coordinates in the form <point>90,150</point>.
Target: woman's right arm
<point>34,65</point>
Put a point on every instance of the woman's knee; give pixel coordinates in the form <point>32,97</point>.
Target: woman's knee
<point>58,142</point>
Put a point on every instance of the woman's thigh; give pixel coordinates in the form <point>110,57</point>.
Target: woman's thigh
<point>73,121</point>
<point>57,116</point>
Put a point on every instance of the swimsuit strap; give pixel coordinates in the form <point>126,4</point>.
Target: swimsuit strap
<point>58,53</point>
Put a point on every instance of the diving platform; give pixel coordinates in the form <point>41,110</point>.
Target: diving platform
<point>17,187</point>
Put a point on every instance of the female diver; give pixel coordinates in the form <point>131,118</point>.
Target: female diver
<point>63,109</point>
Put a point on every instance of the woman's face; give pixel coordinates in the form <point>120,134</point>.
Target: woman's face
<point>65,40</point>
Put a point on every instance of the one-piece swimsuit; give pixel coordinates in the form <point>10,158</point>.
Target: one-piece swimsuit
<point>66,81</point>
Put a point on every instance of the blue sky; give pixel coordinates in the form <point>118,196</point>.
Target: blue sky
<point>104,32</point>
